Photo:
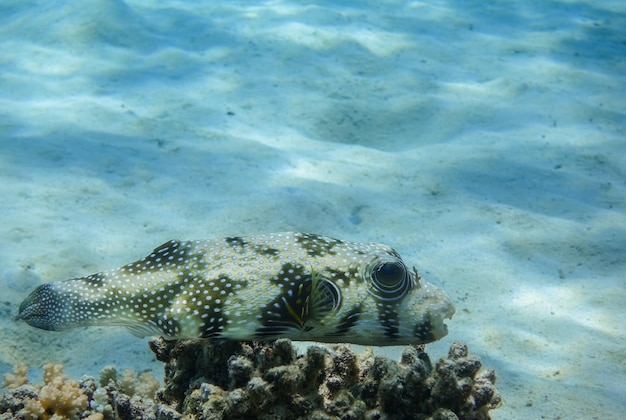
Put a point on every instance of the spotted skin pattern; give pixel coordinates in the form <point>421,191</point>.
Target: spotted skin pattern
<point>294,285</point>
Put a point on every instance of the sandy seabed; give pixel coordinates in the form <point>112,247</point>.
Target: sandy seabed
<point>482,140</point>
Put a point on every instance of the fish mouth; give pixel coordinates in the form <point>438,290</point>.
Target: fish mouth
<point>446,314</point>
<point>441,330</point>
<point>449,313</point>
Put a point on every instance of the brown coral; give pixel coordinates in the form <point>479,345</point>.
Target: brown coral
<point>268,380</point>
<point>243,380</point>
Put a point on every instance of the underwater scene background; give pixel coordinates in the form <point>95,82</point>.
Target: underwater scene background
<point>483,140</point>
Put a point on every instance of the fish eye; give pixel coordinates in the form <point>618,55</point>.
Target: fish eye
<point>389,274</point>
<point>390,280</point>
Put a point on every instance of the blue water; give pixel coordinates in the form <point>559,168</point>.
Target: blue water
<point>482,140</point>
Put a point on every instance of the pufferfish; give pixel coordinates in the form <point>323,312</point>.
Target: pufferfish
<point>284,285</point>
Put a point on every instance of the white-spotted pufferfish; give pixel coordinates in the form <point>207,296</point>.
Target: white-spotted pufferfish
<point>293,285</point>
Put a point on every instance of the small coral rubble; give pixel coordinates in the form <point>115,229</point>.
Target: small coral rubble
<point>234,380</point>
<point>244,380</point>
<point>59,398</point>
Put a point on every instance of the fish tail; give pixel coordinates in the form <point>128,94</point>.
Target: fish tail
<point>48,309</point>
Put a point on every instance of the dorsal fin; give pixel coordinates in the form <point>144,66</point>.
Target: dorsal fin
<point>166,248</point>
